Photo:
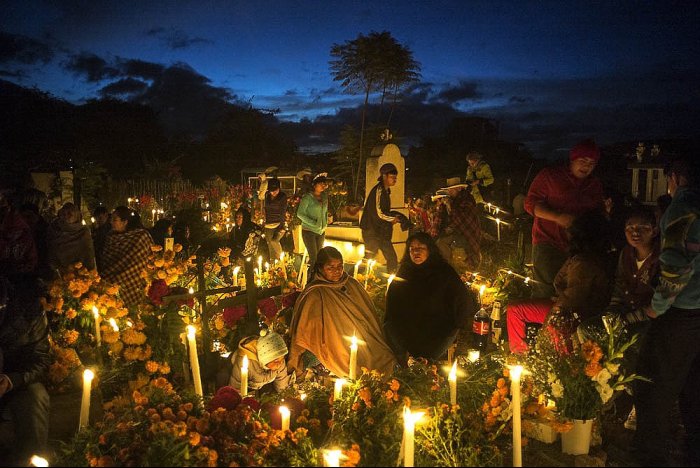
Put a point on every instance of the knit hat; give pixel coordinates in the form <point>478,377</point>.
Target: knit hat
<point>270,347</point>
<point>585,149</point>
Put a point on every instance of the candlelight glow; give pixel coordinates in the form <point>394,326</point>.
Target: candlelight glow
<point>191,290</point>
<point>88,375</point>
<point>453,372</point>
<point>113,324</point>
<point>331,457</point>
<point>36,460</point>
<point>95,312</point>
<point>191,331</point>
<point>244,363</point>
<point>391,278</point>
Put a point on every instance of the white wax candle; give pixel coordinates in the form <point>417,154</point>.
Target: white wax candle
<point>352,372</point>
<point>267,267</point>
<point>452,378</point>
<point>244,376</point>
<point>473,355</point>
<point>409,428</point>
<point>88,375</point>
<point>498,228</point>
<point>357,268</point>
<point>98,335</point>
<point>235,275</point>
<point>284,411</point>
<point>194,361</point>
<point>338,389</point>
<point>113,324</point>
<point>515,372</point>
<point>388,281</point>
<point>331,457</point>
<point>36,460</point>
<point>260,264</point>
<point>481,294</point>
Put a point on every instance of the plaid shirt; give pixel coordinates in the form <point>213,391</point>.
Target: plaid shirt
<point>464,219</point>
<point>124,258</point>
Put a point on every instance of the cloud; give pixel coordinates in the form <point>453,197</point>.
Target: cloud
<point>140,68</point>
<point>463,91</point>
<point>23,49</point>
<point>94,68</point>
<point>16,74</point>
<point>519,99</point>
<point>176,38</point>
<point>126,87</point>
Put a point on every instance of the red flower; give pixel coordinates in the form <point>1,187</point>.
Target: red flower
<point>157,290</point>
<point>226,397</point>
<point>233,314</point>
<point>288,300</point>
<point>252,403</point>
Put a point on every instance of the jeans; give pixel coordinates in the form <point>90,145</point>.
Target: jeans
<point>29,408</point>
<point>547,261</point>
<point>273,237</point>
<point>374,244</point>
<point>670,357</point>
<point>314,243</point>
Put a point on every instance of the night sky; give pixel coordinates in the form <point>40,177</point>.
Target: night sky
<point>548,70</point>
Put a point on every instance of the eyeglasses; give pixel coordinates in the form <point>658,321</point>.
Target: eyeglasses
<point>639,228</point>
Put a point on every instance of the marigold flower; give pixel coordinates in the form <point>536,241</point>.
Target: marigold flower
<point>151,367</point>
<point>394,385</point>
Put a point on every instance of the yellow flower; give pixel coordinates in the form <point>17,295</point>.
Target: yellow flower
<point>224,251</point>
<point>156,248</point>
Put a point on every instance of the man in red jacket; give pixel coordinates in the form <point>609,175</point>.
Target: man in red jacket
<point>556,197</point>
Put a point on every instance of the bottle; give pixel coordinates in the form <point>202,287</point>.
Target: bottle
<point>480,330</point>
<point>496,327</point>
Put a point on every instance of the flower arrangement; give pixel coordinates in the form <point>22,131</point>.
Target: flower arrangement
<point>581,377</point>
<point>166,266</point>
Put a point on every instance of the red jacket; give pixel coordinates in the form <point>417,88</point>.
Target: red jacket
<point>560,190</point>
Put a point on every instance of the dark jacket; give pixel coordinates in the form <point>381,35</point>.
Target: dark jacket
<point>376,216</point>
<point>69,243</point>
<point>275,209</point>
<point>634,287</point>
<point>426,306</point>
<point>239,236</point>
<point>24,332</point>
<point>582,285</point>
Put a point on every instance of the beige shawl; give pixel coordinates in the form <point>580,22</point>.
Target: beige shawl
<point>325,317</point>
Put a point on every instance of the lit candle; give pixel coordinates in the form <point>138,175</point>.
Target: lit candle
<point>98,336</point>
<point>352,373</point>
<point>235,275</point>
<point>338,389</point>
<point>244,376</point>
<point>388,281</point>
<point>515,372</point>
<point>169,244</point>
<point>302,396</point>
<point>473,355</point>
<point>260,264</point>
<point>452,378</point>
<point>191,290</point>
<point>409,428</point>
<point>113,324</point>
<point>357,268</point>
<point>284,411</point>
<point>267,267</point>
<point>194,361</point>
<point>331,457</point>
<point>498,228</point>
<point>88,375</point>
<point>36,460</point>
<point>481,294</point>
<point>489,207</point>
<point>153,214</point>
<point>282,258</point>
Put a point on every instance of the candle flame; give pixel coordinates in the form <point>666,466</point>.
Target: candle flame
<point>191,331</point>
<point>453,372</point>
<point>191,291</point>
<point>391,278</point>
<point>332,457</point>
<point>236,270</point>
<point>302,396</point>
<point>36,460</point>
<point>358,263</point>
<point>353,342</point>
<point>284,411</point>
<point>516,372</point>
<point>88,375</point>
<point>95,312</point>
<point>114,325</point>
<point>482,289</point>
<point>244,363</point>
<point>412,417</point>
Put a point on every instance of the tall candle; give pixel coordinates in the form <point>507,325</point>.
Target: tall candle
<point>409,428</point>
<point>453,384</point>
<point>331,457</point>
<point>194,361</point>
<point>98,336</point>
<point>88,375</point>
<point>260,265</point>
<point>388,281</point>
<point>515,372</point>
<point>244,376</point>
<point>113,324</point>
<point>267,267</point>
<point>338,389</point>
<point>481,294</point>
<point>498,228</point>
<point>357,268</point>
<point>352,373</point>
<point>235,275</point>
<point>284,411</point>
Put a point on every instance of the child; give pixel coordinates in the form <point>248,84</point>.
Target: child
<point>266,363</point>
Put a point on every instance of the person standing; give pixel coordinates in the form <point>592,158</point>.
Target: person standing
<point>275,213</point>
<point>461,226</point>
<point>669,355</point>
<point>479,176</point>
<point>100,230</point>
<point>313,213</point>
<point>69,241</point>
<point>377,220</point>
<point>556,197</point>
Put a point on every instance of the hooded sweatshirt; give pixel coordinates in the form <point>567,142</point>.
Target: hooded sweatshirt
<point>258,375</point>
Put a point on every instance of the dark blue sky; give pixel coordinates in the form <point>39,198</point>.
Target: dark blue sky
<point>613,70</point>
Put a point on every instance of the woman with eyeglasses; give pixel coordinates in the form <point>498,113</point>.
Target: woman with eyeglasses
<point>333,307</point>
<point>427,303</point>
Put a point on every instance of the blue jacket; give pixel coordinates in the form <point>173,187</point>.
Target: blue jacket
<point>679,280</point>
<point>313,214</point>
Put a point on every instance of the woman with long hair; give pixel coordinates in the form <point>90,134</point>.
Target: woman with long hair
<point>332,308</point>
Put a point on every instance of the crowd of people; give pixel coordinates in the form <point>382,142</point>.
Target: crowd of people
<point>652,283</point>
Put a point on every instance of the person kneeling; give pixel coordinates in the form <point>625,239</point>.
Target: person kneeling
<point>266,362</point>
